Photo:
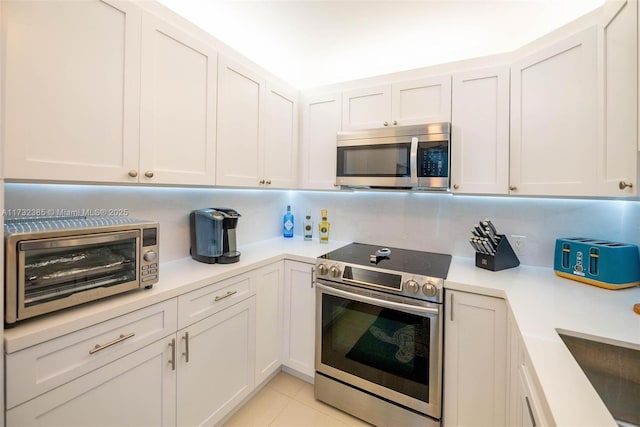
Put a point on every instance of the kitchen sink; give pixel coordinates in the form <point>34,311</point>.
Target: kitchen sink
<point>614,372</point>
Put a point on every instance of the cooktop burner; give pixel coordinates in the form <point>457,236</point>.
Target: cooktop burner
<point>401,260</point>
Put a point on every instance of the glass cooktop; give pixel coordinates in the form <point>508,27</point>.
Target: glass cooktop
<point>401,260</point>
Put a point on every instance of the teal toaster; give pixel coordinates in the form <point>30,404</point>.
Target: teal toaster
<point>610,265</point>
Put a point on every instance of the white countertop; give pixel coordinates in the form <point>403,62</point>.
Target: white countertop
<point>540,302</point>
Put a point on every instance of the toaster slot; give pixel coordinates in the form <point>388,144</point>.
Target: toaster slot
<point>594,257</point>
<point>566,255</point>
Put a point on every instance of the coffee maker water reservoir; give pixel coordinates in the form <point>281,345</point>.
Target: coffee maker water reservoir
<point>213,235</point>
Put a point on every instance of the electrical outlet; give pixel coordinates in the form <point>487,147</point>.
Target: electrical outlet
<point>518,243</point>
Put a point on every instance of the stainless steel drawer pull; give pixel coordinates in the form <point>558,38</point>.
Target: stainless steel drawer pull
<point>227,295</point>
<point>121,338</point>
<point>172,361</point>
<point>185,337</point>
<point>533,420</point>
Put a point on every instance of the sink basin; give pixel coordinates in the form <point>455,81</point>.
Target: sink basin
<point>614,372</point>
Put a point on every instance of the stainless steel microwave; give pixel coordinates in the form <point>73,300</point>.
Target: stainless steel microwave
<point>415,157</point>
<point>55,263</point>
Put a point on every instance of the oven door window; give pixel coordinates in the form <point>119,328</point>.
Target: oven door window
<point>56,269</point>
<point>383,160</point>
<point>384,346</point>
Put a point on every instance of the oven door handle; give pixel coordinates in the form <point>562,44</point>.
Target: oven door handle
<point>380,302</point>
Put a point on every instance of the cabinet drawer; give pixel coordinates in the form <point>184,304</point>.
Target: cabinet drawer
<point>35,370</point>
<point>204,302</point>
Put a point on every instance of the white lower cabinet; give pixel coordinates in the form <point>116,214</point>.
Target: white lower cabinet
<point>215,364</point>
<point>299,317</point>
<point>269,312</point>
<point>136,390</point>
<point>526,402</point>
<point>475,365</point>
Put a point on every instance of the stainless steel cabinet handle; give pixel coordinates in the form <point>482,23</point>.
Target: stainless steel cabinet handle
<point>533,420</point>
<point>121,338</point>
<point>624,184</point>
<point>133,173</point>
<point>313,276</point>
<point>227,295</point>
<point>395,122</point>
<point>148,174</point>
<point>451,307</point>
<point>185,337</point>
<point>172,361</point>
<point>386,123</point>
<point>456,186</point>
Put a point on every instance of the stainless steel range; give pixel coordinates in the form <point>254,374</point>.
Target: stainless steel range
<point>379,333</point>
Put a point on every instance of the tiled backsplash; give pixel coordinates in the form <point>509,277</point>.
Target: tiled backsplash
<point>423,221</point>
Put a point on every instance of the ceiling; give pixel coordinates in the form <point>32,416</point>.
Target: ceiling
<point>311,43</point>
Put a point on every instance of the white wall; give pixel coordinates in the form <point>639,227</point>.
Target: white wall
<point>169,206</point>
<point>423,221</point>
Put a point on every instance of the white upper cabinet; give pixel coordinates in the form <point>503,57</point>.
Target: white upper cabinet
<point>421,101</point>
<point>281,145</point>
<point>426,100</point>
<point>480,131</point>
<point>178,106</point>
<point>619,91</point>
<point>554,119</point>
<point>321,121</point>
<point>241,97</point>
<point>257,129</point>
<point>72,80</point>
<point>366,108</point>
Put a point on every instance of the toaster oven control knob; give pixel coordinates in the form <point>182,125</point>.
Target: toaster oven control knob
<point>412,286</point>
<point>323,269</point>
<point>150,256</point>
<point>335,272</point>
<point>430,289</point>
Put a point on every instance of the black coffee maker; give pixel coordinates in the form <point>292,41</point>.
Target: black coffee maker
<point>213,235</point>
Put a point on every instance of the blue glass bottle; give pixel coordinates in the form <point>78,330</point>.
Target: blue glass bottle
<point>287,223</point>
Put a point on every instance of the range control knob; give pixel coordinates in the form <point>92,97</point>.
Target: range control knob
<point>430,289</point>
<point>323,269</point>
<point>335,272</point>
<point>412,286</point>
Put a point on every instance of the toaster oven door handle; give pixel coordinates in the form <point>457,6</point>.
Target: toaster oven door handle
<point>63,242</point>
<point>413,160</point>
<point>407,308</point>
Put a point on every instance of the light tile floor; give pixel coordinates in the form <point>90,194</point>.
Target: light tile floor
<point>288,401</point>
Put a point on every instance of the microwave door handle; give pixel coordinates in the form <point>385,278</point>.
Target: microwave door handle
<point>413,160</point>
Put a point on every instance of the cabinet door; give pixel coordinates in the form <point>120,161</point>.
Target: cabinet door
<point>475,365</point>
<point>300,317</point>
<point>281,144</point>
<point>620,106</point>
<point>554,126</point>
<point>136,390</point>
<point>321,121</point>
<point>269,317</point>
<point>421,101</point>
<point>216,364</point>
<point>480,135</point>
<point>366,108</point>
<point>72,82</point>
<point>178,106</point>
<point>240,125</point>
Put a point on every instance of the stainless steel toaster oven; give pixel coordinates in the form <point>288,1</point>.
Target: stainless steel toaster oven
<point>55,263</point>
